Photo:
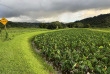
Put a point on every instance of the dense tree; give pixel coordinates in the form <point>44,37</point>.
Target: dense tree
<point>71,25</point>
<point>57,24</point>
<point>1,26</point>
<point>42,25</point>
<point>64,25</point>
<point>79,25</point>
<point>87,26</point>
<point>51,26</point>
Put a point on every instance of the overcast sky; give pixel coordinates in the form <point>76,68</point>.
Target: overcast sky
<point>52,10</point>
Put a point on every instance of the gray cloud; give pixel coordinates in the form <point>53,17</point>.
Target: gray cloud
<point>47,8</point>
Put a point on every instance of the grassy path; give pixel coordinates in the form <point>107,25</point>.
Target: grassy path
<point>18,57</point>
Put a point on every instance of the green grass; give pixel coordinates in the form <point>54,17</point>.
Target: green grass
<point>18,57</point>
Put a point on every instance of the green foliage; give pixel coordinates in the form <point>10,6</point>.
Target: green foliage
<point>108,70</point>
<point>97,21</point>
<point>101,21</point>
<point>0,30</point>
<point>55,25</point>
<point>76,25</point>
<point>1,26</point>
<point>79,25</point>
<point>87,26</point>
<point>22,25</point>
<point>43,25</point>
<point>6,35</point>
<point>77,50</point>
<point>71,25</point>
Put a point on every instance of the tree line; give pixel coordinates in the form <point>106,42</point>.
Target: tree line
<point>52,25</point>
<point>58,25</point>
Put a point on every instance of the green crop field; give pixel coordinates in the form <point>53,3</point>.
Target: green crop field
<point>77,50</point>
<point>71,50</point>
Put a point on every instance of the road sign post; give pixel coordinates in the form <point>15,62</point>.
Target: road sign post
<point>4,22</point>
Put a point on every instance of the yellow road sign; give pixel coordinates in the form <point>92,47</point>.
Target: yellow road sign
<point>4,21</point>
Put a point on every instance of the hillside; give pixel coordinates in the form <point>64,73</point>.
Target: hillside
<point>97,21</point>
